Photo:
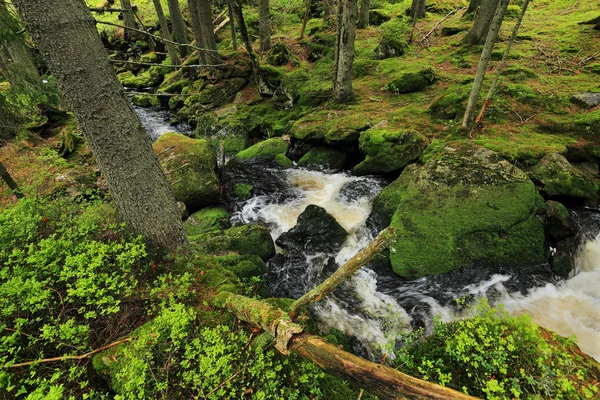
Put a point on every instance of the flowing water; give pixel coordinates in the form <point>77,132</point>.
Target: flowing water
<point>156,122</point>
<point>376,308</point>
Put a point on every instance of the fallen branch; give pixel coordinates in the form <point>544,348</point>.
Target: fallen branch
<point>163,65</point>
<point>222,24</point>
<point>65,358</point>
<point>107,9</point>
<point>442,20</point>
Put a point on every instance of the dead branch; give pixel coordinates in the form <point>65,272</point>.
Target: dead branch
<point>442,20</point>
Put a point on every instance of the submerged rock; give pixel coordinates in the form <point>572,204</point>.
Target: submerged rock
<point>245,239</point>
<point>190,166</point>
<point>558,179</point>
<point>323,158</point>
<point>388,152</point>
<point>462,208</point>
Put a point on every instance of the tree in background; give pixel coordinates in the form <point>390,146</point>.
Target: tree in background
<point>363,15</point>
<point>164,29</point>
<point>129,21</point>
<point>473,4</point>
<point>483,20</point>
<point>208,32</point>
<point>232,24</point>
<point>264,25</point>
<point>417,9</point>
<point>178,24</point>
<point>196,27</point>
<point>66,35</point>
<point>344,51</point>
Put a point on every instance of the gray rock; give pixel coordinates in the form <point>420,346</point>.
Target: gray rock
<point>586,99</point>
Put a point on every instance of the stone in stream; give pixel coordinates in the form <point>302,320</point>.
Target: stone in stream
<point>465,208</point>
<point>246,239</point>
<point>267,150</point>
<point>323,158</point>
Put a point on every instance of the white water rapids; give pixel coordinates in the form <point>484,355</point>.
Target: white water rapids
<point>376,319</point>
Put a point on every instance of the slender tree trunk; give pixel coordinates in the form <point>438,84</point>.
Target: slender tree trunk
<point>12,185</point>
<point>179,30</point>
<point>305,19</point>
<point>264,25</point>
<point>164,28</point>
<point>483,62</point>
<point>492,90</point>
<point>417,9</point>
<point>473,4</point>
<point>128,21</point>
<point>196,27</point>
<point>329,9</point>
<point>232,25</point>
<point>208,32</point>
<point>237,10</point>
<point>344,51</point>
<point>66,35</point>
<point>363,16</point>
<point>481,25</point>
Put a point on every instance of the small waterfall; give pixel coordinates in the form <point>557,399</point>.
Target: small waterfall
<point>156,122</point>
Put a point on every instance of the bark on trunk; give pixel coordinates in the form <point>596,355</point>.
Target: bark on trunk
<point>264,25</point>
<point>12,185</point>
<point>473,4</point>
<point>483,62</point>
<point>164,29</point>
<point>128,21</point>
<point>232,24</point>
<point>481,25</point>
<point>66,35</point>
<point>196,27</point>
<point>492,90</point>
<point>363,16</point>
<point>344,51</point>
<point>237,10</point>
<point>305,19</point>
<point>179,30</point>
<point>208,32</point>
<point>329,9</point>
<point>417,9</point>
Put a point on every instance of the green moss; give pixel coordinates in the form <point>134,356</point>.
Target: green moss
<point>243,266</point>
<point>512,11</point>
<point>151,57</point>
<point>412,81</point>
<point>284,162</point>
<point>143,80</point>
<point>388,152</point>
<point>207,220</point>
<point>243,191</point>
<point>145,100</point>
<point>323,158</point>
<point>279,54</point>
<point>451,105</point>
<point>265,150</point>
<point>174,87</point>
<point>517,73</point>
<point>331,127</point>
<point>246,239</point>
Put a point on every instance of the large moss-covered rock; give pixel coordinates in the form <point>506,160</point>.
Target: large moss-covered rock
<point>207,220</point>
<point>245,239</point>
<point>451,105</point>
<point>265,150</point>
<point>463,208</point>
<point>143,80</point>
<point>390,48</point>
<point>557,178</point>
<point>388,152</point>
<point>331,127</point>
<point>412,81</point>
<point>323,158</point>
<point>145,100</point>
<point>190,165</point>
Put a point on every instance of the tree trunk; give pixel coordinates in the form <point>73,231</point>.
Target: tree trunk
<point>483,62</point>
<point>481,25</point>
<point>237,10</point>
<point>344,51</point>
<point>329,10</point>
<point>128,21</point>
<point>164,28</point>
<point>490,94</point>
<point>232,24</point>
<point>363,16</point>
<point>417,9</point>
<point>12,185</point>
<point>264,25</point>
<point>196,27</point>
<point>66,35</point>
<point>208,32</point>
<point>305,19</point>
<point>179,30</point>
<point>473,4</point>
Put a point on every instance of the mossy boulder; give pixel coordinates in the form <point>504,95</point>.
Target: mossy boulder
<point>279,55</point>
<point>284,162</point>
<point>140,81</point>
<point>323,158</point>
<point>451,105</point>
<point>412,81</point>
<point>265,150</point>
<point>175,86</point>
<point>331,127</point>
<point>462,208</point>
<point>207,220</point>
<point>559,179</point>
<point>216,95</point>
<point>243,266</point>
<point>378,16</point>
<point>145,100</point>
<point>190,165</point>
<point>245,239</point>
<point>388,152</point>
<point>557,221</point>
<point>389,48</point>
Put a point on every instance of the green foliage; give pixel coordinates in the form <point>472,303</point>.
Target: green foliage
<point>497,356</point>
<point>64,268</point>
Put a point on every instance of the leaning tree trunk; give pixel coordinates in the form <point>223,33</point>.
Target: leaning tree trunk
<point>264,25</point>
<point>208,32</point>
<point>66,35</point>
<point>164,28</point>
<point>344,51</point>
<point>237,10</point>
<point>481,25</point>
<point>417,9</point>
<point>363,16</point>
<point>483,62</point>
<point>128,21</point>
<point>473,4</point>
<point>12,185</point>
<point>305,19</point>
<point>179,30</point>
<point>197,28</point>
<point>329,7</point>
<point>490,94</point>
<point>232,24</point>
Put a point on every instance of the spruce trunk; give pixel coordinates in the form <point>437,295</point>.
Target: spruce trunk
<point>237,10</point>
<point>179,30</point>
<point>473,4</point>
<point>232,24</point>
<point>363,16</point>
<point>129,21</point>
<point>417,9</point>
<point>483,62</point>
<point>482,23</point>
<point>208,32</point>
<point>164,28</point>
<point>66,35</point>
<point>196,27</point>
<point>344,51</point>
<point>264,25</point>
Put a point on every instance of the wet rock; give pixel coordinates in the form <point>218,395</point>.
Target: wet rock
<point>557,221</point>
<point>190,165</point>
<point>559,179</point>
<point>355,190</point>
<point>265,150</point>
<point>586,100</point>
<point>242,191</point>
<point>246,239</point>
<point>462,208</point>
<point>207,220</point>
<point>323,158</point>
<point>316,231</point>
<point>141,81</point>
<point>412,81</point>
<point>563,260</point>
<point>331,127</point>
<point>388,152</point>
